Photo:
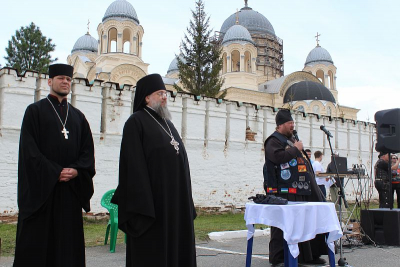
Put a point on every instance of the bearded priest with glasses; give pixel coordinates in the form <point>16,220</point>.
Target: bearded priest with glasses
<point>154,195</point>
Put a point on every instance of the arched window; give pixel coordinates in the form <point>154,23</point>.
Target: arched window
<point>301,108</point>
<point>316,109</point>
<point>328,111</point>
<point>126,40</point>
<point>235,61</point>
<point>320,75</point>
<point>112,40</point>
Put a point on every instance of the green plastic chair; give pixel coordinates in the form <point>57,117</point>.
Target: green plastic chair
<point>112,226</point>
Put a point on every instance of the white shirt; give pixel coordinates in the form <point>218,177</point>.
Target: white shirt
<point>317,166</point>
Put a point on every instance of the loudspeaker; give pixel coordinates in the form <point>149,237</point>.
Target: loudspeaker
<point>388,130</point>
<point>382,226</point>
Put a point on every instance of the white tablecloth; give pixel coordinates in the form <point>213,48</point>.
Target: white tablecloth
<point>299,221</point>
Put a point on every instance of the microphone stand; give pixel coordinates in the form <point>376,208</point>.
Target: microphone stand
<point>341,196</point>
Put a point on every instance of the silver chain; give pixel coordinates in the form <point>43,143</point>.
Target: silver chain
<point>66,118</point>
<point>169,134</point>
<point>173,142</point>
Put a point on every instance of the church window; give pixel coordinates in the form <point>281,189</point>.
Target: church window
<point>112,40</point>
<point>235,62</point>
<point>328,111</point>
<point>316,109</point>
<point>126,39</point>
<point>320,75</point>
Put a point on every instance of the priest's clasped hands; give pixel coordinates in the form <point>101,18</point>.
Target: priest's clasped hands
<point>67,174</point>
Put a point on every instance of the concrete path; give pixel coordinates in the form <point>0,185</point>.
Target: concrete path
<point>231,253</point>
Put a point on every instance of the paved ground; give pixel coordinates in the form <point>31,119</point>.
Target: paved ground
<point>231,253</point>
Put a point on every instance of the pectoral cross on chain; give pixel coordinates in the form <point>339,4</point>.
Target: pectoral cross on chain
<point>65,132</point>
<point>175,144</point>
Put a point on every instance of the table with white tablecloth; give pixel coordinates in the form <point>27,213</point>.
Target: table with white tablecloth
<point>299,222</point>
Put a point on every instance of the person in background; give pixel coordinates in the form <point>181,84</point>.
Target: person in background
<point>323,181</point>
<point>396,179</point>
<point>382,183</point>
<point>309,155</point>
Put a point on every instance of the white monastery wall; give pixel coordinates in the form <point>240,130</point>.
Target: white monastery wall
<point>226,168</point>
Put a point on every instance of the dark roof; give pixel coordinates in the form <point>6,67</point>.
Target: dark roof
<point>308,90</point>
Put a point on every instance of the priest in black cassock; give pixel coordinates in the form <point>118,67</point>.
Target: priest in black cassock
<point>154,195</point>
<point>55,170</point>
<point>291,176</point>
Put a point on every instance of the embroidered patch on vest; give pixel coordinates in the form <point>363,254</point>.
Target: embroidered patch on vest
<point>302,168</point>
<point>306,186</point>
<point>284,190</point>
<point>272,190</point>
<point>300,161</point>
<point>293,162</point>
<point>284,166</point>
<point>285,174</point>
<point>292,191</point>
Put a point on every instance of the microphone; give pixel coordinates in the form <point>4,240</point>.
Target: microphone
<point>322,127</point>
<point>295,135</point>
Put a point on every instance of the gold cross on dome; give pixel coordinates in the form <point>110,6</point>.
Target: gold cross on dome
<point>88,22</point>
<point>318,35</point>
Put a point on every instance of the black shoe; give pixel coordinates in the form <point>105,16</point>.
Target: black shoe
<point>317,261</point>
<point>276,263</point>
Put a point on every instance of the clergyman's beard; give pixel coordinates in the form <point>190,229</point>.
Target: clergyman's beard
<point>163,112</point>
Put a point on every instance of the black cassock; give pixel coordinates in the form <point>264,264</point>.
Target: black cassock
<point>50,226</point>
<point>275,151</point>
<point>154,195</point>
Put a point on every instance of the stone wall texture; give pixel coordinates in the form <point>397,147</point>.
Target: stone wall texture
<point>225,167</point>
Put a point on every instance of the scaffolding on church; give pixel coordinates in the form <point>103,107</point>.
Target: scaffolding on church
<point>269,61</point>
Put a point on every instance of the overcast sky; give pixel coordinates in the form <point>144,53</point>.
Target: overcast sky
<point>362,36</point>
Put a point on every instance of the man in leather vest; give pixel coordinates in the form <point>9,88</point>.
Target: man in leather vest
<point>289,175</point>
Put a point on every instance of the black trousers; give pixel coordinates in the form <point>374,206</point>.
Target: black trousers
<point>323,189</point>
<point>384,194</point>
<point>396,188</point>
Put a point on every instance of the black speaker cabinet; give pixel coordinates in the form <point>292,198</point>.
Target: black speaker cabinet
<point>382,226</point>
<point>388,130</point>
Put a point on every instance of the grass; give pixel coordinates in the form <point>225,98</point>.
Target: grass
<point>95,229</point>
<point>7,235</point>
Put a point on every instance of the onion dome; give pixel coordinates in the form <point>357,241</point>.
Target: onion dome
<point>253,21</point>
<point>308,90</point>
<point>237,33</point>
<point>121,9</point>
<point>85,43</point>
<point>318,55</point>
<point>174,64</point>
